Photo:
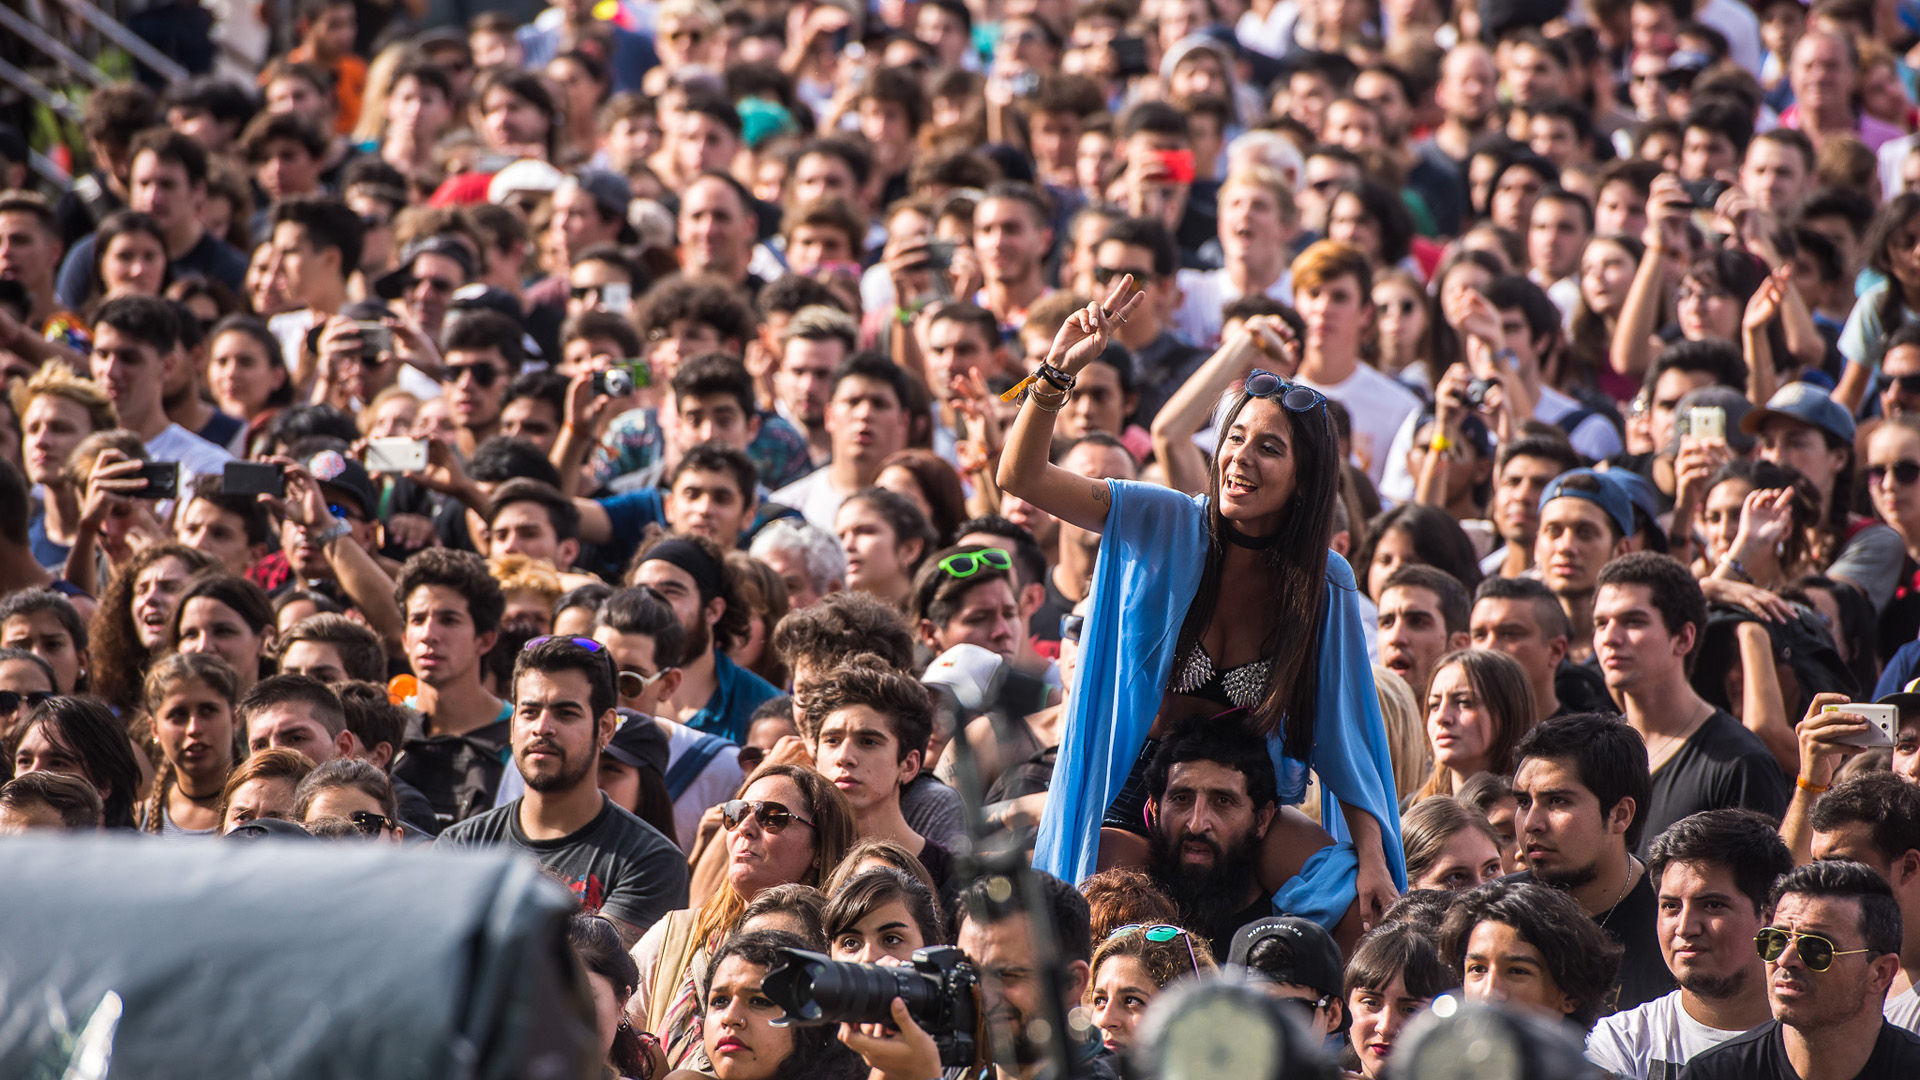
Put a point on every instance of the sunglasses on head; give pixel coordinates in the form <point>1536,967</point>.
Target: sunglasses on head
<point>1815,951</point>
<point>962,564</point>
<point>1161,933</point>
<point>1904,473</point>
<point>10,699</point>
<point>484,375</point>
<point>1292,396</point>
<point>772,816</point>
<point>372,824</point>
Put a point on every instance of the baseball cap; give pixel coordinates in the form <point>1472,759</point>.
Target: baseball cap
<point>1908,697</point>
<point>610,191</point>
<point>523,175</point>
<point>345,476</point>
<point>1808,404</point>
<point>638,742</point>
<point>1306,954</point>
<point>394,284</point>
<point>971,673</point>
<point>1610,496</point>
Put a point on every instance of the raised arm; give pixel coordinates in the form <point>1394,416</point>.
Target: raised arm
<point>1190,409</point>
<point>1024,468</point>
<point>1632,349</point>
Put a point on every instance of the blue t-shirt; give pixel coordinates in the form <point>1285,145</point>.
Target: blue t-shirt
<point>737,694</point>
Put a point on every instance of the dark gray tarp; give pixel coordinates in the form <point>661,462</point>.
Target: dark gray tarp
<point>284,961</point>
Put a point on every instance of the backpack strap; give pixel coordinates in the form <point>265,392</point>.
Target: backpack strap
<point>681,774</point>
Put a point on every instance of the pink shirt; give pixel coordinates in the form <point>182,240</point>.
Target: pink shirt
<point>1875,133</point>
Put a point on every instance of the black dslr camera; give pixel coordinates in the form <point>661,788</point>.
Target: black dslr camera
<point>941,991</point>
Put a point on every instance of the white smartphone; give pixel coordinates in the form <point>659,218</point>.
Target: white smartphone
<point>396,455</point>
<point>1884,721</point>
<point>1707,422</point>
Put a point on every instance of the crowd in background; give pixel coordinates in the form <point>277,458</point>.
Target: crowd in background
<point>648,436</point>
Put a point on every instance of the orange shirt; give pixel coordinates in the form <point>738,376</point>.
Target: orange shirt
<point>349,86</point>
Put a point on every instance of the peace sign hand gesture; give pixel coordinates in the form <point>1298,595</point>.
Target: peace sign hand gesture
<point>1085,333</point>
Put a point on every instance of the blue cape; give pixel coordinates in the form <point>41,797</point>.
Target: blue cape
<point>1152,553</point>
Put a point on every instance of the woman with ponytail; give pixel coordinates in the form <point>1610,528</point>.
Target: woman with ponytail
<point>190,699</point>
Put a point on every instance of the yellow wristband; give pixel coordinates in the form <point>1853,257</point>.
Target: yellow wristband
<point>1805,784</point>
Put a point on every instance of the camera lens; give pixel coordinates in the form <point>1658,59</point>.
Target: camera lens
<point>816,990</point>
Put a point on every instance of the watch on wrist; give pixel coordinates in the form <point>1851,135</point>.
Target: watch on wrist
<point>333,532</point>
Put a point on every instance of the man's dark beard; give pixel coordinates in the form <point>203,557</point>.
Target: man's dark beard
<point>568,778</point>
<point>1715,987</point>
<point>1569,880</point>
<point>1210,899</point>
<point>699,636</point>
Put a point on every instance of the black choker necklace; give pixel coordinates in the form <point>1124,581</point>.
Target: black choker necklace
<point>1239,539</point>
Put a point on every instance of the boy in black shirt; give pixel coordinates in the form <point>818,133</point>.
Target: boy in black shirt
<point>1832,951</point>
<point>1580,782</point>
<point>563,717</point>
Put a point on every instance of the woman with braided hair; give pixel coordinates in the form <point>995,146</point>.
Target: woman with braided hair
<point>190,700</point>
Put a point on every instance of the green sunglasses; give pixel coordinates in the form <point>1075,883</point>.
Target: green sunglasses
<point>962,564</point>
<point>1160,933</point>
<point>1815,951</point>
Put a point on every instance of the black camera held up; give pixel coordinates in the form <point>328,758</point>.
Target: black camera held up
<point>941,991</point>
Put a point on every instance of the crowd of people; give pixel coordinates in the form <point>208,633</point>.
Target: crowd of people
<point>647,436</point>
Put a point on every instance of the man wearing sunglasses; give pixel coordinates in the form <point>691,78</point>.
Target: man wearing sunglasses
<point>483,352</point>
<point>1144,248</point>
<point>564,716</point>
<point>1874,819</point>
<point>1898,383</point>
<point>1832,951</point>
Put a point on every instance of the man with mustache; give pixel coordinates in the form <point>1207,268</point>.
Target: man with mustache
<point>563,717</point>
<point>1832,950</point>
<point>1212,799</point>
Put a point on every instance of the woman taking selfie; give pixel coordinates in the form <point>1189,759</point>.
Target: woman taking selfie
<point>190,699</point>
<point>1199,603</point>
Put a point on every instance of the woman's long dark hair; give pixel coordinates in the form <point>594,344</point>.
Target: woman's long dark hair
<point>1588,339</point>
<point>1297,563</point>
<point>119,660</point>
<point>1887,223</point>
<point>117,225</point>
<point>817,1054</point>
<point>1438,540</point>
<point>99,740</point>
<point>1766,476</point>
<point>597,944</point>
<point>243,597</point>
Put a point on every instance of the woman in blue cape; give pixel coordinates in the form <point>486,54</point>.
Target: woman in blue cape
<point>1201,604</point>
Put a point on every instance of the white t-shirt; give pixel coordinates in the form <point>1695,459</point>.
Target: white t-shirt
<point>1652,1041</point>
<point>1903,1010</point>
<point>1203,293</point>
<point>196,456</point>
<point>1740,26</point>
<point>716,783</point>
<point>815,497</point>
<point>1378,404</point>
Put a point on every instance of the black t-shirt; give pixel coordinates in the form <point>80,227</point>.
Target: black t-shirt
<point>1581,689</point>
<point>617,865</point>
<point>1633,925</point>
<point>939,863</point>
<point>1761,1054</point>
<point>1722,766</point>
<point>1045,624</point>
<point>1221,937</point>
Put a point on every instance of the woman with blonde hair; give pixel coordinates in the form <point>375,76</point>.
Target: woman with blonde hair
<point>190,699</point>
<point>1478,705</point>
<point>1129,970</point>
<point>789,826</point>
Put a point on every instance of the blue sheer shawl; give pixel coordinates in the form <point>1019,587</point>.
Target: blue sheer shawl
<point>1152,553</point>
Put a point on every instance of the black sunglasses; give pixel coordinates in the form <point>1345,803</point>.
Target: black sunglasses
<point>370,823</point>
<point>772,816</point>
<point>1908,384</point>
<point>751,757</point>
<point>1293,396</point>
<point>1070,626</point>
<point>1904,473</point>
<point>1815,951</point>
<point>10,699</point>
<point>1107,275</point>
<point>484,375</point>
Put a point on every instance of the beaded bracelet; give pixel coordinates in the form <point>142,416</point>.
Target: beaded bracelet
<point>1061,381</point>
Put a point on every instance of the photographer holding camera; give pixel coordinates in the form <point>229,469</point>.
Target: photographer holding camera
<point>997,937</point>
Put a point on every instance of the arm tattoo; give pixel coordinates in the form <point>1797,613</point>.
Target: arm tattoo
<point>1100,494</point>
